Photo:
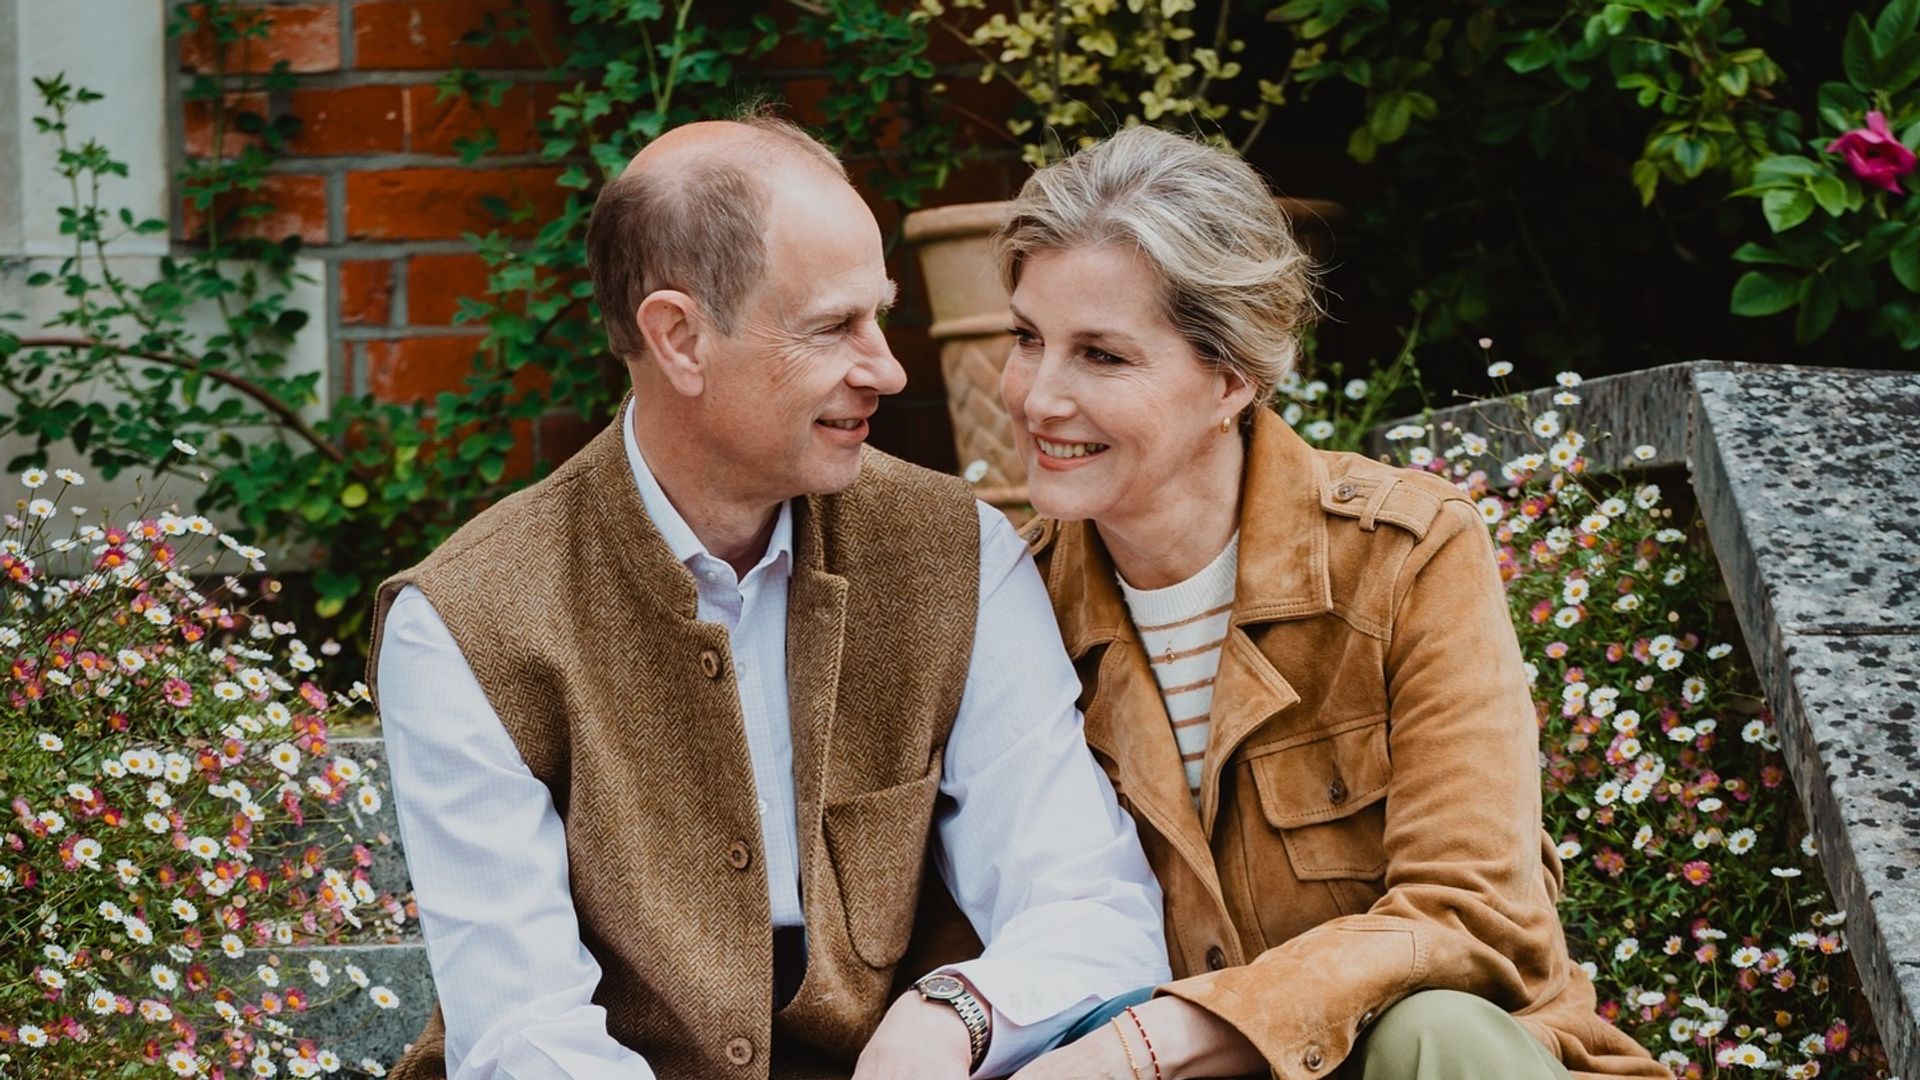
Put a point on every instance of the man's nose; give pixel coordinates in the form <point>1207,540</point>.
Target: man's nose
<point>878,370</point>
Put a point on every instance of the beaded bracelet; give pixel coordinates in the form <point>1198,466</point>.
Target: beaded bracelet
<point>1155,1058</point>
<point>1132,1062</point>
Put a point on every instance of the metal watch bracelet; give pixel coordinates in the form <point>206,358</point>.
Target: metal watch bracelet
<point>972,1014</point>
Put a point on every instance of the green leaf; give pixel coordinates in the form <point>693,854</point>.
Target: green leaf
<point>1646,179</point>
<point>1857,57</point>
<point>1895,25</point>
<point>1786,167</point>
<point>1840,105</point>
<point>329,606</point>
<point>1692,153</point>
<point>1900,66</point>
<point>1389,119</point>
<point>353,496</point>
<point>1904,260</point>
<point>1831,193</point>
<point>1361,146</point>
<point>1785,208</point>
<point>1818,306</point>
<point>1539,51</point>
<point>1759,293</point>
<point>1765,256</point>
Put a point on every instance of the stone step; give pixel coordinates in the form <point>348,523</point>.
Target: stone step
<point>347,1021</point>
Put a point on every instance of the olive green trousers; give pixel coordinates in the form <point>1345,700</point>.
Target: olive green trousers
<point>1448,1035</point>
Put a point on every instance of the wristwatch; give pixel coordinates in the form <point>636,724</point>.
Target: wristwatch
<point>955,993</point>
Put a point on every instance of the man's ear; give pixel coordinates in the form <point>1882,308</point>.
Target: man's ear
<point>674,327</point>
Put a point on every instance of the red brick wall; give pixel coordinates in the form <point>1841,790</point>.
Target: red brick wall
<point>375,188</point>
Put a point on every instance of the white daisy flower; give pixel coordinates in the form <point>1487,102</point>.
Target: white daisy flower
<point>33,478</point>
<point>186,447</point>
<point>1626,950</point>
<point>1499,369</point>
<point>383,997</point>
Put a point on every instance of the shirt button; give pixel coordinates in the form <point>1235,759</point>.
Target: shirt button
<point>739,1051</point>
<point>1337,791</point>
<point>709,663</point>
<point>1216,959</point>
<point>761,807</point>
<point>1314,1058</point>
<point>739,856</point>
<point>711,575</point>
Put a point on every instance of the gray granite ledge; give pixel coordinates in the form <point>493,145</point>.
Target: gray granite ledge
<point>1805,479</point>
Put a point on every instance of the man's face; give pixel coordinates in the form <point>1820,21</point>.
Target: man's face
<point>788,393</point>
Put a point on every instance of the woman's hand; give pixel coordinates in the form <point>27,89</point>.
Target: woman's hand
<point>1188,1040</point>
<point>1098,1056</point>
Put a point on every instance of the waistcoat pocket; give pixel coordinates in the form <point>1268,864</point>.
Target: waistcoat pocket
<point>1325,792</point>
<point>878,843</point>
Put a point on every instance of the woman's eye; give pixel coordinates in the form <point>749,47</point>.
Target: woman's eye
<point>1102,356</point>
<point>1022,338</point>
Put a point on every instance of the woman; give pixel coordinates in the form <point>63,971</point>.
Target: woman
<point>1298,666</point>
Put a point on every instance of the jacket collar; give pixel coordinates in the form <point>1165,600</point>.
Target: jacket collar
<point>1283,548</point>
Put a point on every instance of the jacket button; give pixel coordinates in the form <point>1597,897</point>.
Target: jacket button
<point>1216,959</point>
<point>1345,493</point>
<point>739,856</point>
<point>1314,1058</point>
<point>1337,791</point>
<point>709,663</point>
<point>1366,1018</point>
<point>739,1051</point>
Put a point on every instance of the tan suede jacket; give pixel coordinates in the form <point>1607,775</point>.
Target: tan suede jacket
<point>1370,804</point>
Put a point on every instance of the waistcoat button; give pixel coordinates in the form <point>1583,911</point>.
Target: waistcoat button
<point>709,663</point>
<point>1314,1059</point>
<point>739,1051</point>
<point>1216,959</point>
<point>1337,791</point>
<point>1345,493</point>
<point>739,856</point>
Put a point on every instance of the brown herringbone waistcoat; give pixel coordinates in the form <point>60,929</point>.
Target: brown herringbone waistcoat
<point>580,626</point>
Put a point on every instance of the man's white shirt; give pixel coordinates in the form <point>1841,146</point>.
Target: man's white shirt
<point>1032,845</point>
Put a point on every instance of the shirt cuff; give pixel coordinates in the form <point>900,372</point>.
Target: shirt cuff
<point>1027,1012</point>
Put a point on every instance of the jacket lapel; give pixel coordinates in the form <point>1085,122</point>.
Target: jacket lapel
<point>1126,720</point>
<point>816,633</point>
<point>1282,575</point>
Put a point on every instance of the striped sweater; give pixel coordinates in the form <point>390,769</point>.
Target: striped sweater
<point>1183,628</point>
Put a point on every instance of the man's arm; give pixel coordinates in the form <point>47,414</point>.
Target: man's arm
<point>1034,847</point>
<point>489,862</point>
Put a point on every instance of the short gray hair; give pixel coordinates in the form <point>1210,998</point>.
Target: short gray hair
<point>700,229</point>
<point>1236,283</point>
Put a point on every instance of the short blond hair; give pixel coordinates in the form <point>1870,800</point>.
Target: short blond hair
<point>701,229</point>
<point>1237,284</point>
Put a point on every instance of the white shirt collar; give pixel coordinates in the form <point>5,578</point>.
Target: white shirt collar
<point>674,529</point>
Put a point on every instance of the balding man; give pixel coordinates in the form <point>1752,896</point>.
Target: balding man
<point>674,731</point>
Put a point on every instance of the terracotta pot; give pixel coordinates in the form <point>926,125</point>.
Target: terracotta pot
<point>970,325</point>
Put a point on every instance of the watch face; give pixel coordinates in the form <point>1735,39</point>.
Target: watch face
<point>941,987</point>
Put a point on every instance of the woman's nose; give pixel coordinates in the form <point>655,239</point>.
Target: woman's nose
<point>1047,394</point>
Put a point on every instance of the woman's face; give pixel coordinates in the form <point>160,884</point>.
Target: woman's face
<point>1111,408</point>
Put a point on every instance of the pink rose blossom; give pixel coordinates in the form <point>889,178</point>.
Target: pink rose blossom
<point>1875,156</point>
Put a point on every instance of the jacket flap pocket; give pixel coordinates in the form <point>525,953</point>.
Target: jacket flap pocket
<point>878,843</point>
<point>1323,775</point>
